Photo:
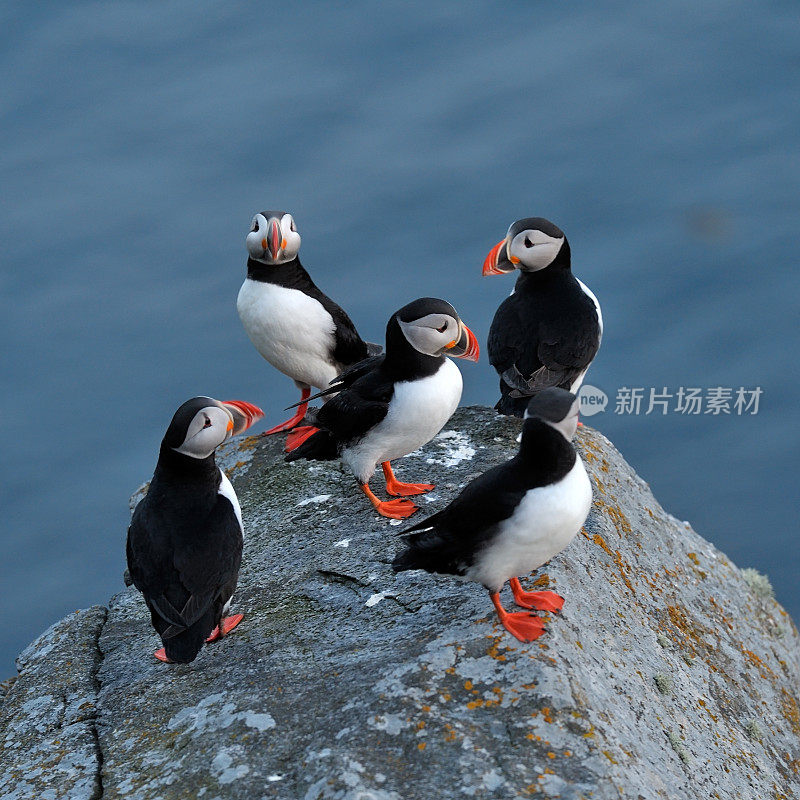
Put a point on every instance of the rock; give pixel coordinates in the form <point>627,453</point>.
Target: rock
<point>666,675</point>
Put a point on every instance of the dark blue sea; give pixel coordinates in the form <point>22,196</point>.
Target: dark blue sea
<point>137,140</point>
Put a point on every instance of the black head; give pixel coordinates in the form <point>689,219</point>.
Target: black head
<point>557,408</point>
<point>531,244</point>
<point>432,327</point>
<point>273,237</point>
<point>202,424</point>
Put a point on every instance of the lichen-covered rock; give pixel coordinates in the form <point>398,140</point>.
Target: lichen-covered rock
<point>668,674</point>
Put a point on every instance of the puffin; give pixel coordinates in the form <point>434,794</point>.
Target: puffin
<point>184,542</point>
<point>390,405</point>
<point>514,517</point>
<point>293,325</point>
<point>548,331</point>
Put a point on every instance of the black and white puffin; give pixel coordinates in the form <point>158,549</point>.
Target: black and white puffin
<point>548,331</point>
<point>513,518</point>
<point>390,405</point>
<point>185,539</point>
<point>292,324</point>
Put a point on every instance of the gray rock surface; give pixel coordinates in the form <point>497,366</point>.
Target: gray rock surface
<point>669,673</point>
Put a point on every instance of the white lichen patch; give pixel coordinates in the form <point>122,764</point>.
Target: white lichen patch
<point>320,498</point>
<point>663,682</point>
<point>374,599</point>
<point>261,722</point>
<point>206,717</point>
<point>41,713</point>
<point>342,543</point>
<point>455,446</point>
<point>389,723</point>
<point>224,769</point>
<point>759,584</point>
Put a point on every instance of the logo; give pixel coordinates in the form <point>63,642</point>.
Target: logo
<point>592,399</point>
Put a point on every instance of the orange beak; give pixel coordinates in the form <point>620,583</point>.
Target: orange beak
<point>275,239</point>
<point>466,346</point>
<point>244,415</point>
<point>496,262</point>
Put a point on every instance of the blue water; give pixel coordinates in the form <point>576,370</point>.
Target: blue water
<point>137,139</point>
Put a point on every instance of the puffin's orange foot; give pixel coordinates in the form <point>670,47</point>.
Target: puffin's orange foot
<point>398,489</point>
<point>396,509</point>
<point>161,655</point>
<point>541,601</point>
<point>298,415</point>
<point>228,624</point>
<point>522,626</point>
<point>297,436</point>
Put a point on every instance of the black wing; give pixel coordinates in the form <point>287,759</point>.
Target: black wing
<point>533,351</point>
<point>359,407</point>
<point>182,580</point>
<point>350,348</point>
<point>448,541</point>
<point>507,334</point>
<point>347,377</point>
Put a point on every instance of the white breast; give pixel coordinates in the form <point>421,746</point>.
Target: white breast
<point>226,490</point>
<point>417,412</point>
<point>576,384</point>
<point>291,330</point>
<point>543,524</point>
<point>587,291</point>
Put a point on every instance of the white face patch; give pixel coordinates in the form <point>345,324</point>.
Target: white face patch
<point>261,233</point>
<point>534,249</point>
<point>432,333</point>
<point>208,429</point>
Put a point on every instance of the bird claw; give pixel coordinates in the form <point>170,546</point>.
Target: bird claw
<point>396,509</point>
<point>522,626</point>
<point>228,624</point>
<point>398,489</point>
<point>297,436</point>
<point>161,655</point>
<point>540,601</point>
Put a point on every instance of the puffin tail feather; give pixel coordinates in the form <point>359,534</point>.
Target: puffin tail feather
<point>427,550</point>
<point>184,647</point>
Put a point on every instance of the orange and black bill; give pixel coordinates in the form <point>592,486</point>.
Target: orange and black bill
<point>497,262</point>
<point>466,346</point>
<point>243,414</point>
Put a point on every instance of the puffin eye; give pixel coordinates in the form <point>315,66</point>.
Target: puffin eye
<point>528,242</point>
<point>255,226</point>
<point>294,230</point>
<point>443,328</point>
<point>208,423</point>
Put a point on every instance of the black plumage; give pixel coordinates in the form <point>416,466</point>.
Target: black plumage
<point>184,544</point>
<point>449,541</point>
<point>350,348</point>
<point>364,391</point>
<point>387,406</point>
<point>514,518</point>
<point>547,332</point>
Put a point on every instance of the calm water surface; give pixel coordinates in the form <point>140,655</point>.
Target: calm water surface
<point>137,139</point>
